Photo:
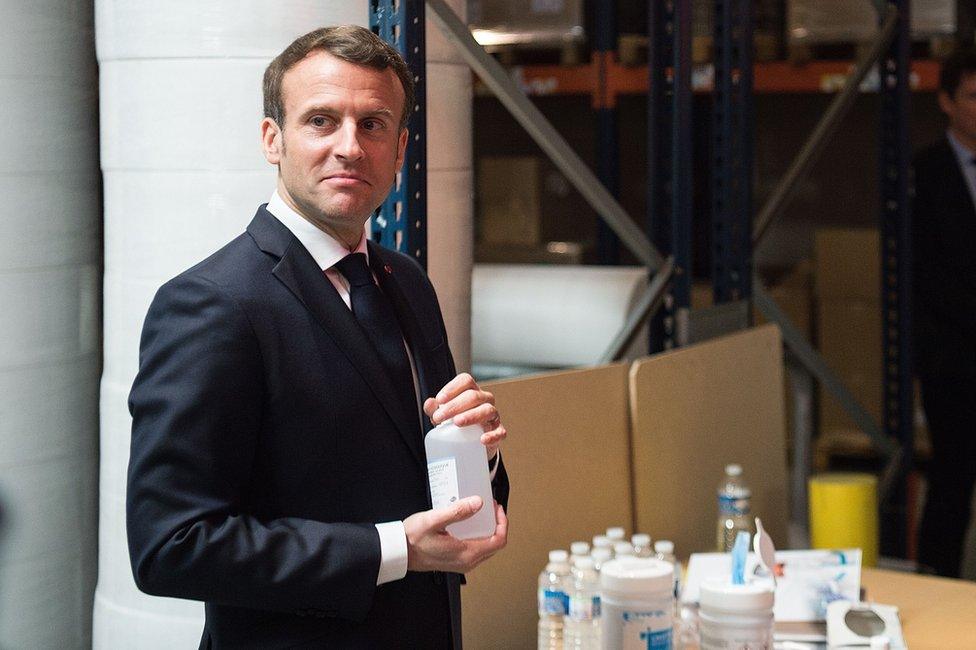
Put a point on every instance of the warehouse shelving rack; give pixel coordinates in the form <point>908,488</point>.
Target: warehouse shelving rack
<point>670,80</point>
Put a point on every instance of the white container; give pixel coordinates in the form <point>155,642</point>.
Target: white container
<point>735,616</point>
<point>623,549</point>
<point>457,467</point>
<point>637,603</point>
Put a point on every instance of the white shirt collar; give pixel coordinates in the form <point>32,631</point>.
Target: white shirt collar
<point>324,248</point>
<point>963,153</point>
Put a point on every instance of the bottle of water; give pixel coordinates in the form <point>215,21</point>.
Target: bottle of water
<point>623,549</point>
<point>602,541</point>
<point>616,534</point>
<point>734,508</point>
<point>578,550</point>
<point>601,555</point>
<point>554,583</point>
<point>642,545</point>
<point>582,626</point>
<point>664,550</point>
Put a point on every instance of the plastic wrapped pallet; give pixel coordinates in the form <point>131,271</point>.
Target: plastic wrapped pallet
<point>832,21</point>
<point>516,22</point>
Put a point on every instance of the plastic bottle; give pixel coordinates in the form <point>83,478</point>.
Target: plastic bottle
<point>734,508</point>
<point>457,468</point>
<point>602,541</point>
<point>616,534</point>
<point>642,545</point>
<point>581,630</point>
<point>600,557</point>
<point>664,551</point>
<point>578,550</point>
<point>623,549</point>
<point>553,600</point>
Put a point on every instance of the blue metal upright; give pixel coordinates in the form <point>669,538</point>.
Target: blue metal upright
<point>896,265</point>
<point>608,151</point>
<point>669,159</point>
<point>732,132</point>
<point>401,222</point>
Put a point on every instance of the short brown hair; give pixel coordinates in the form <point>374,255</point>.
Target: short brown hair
<point>347,42</point>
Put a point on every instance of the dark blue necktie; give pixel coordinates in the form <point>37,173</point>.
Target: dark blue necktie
<point>372,309</point>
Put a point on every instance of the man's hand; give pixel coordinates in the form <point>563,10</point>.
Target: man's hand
<point>431,548</point>
<point>463,400</point>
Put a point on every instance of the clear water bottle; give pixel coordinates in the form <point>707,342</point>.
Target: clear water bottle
<point>623,549</point>
<point>616,534</point>
<point>664,550</point>
<point>554,583</point>
<point>578,550</point>
<point>602,541</point>
<point>601,555</point>
<point>642,545</point>
<point>734,508</point>
<point>581,630</point>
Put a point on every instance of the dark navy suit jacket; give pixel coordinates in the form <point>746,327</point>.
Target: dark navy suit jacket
<point>266,443</point>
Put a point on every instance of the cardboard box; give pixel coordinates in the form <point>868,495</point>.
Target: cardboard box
<point>848,263</point>
<point>509,200</point>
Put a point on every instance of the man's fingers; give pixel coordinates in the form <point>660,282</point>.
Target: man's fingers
<point>459,511</point>
<point>478,413</point>
<point>430,405</point>
<point>468,400</point>
<point>459,384</point>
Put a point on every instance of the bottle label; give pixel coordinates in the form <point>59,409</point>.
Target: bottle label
<point>730,505</point>
<point>553,601</point>
<point>584,608</point>
<point>443,477</point>
<point>646,631</point>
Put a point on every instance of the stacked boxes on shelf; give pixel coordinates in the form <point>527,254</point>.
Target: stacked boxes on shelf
<point>848,305</point>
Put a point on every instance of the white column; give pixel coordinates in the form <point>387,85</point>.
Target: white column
<point>183,174</point>
<point>49,329</point>
<point>450,186</point>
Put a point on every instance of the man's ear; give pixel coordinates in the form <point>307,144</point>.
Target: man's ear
<point>271,141</point>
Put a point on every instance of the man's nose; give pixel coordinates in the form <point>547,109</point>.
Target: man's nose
<point>347,141</point>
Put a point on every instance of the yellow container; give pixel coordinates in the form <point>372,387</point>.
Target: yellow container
<point>844,513</point>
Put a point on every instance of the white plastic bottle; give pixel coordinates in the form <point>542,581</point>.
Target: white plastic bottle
<point>602,541</point>
<point>642,545</point>
<point>601,556</point>
<point>578,550</point>
<point>581,630</point>
<point>553,600</point>
<point>734,508</point>
<point>623,549</point>
<point>664,551</point>
<point>616,534</point>
<point>457,467</point>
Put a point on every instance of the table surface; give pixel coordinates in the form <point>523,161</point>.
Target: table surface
<point>935,613</point>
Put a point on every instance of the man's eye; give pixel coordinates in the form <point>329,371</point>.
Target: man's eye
<point>319,120</point>
<point>372,125</point>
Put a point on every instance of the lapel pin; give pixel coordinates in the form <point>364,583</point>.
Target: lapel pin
<point>388,269</point>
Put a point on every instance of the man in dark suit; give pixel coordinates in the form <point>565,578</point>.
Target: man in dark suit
<point>277,469</point>
<point>944,222</point>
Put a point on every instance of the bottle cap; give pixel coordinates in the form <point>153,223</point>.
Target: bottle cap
<point>558,556</point>
<point>601,554</point>
<point>616,533</point>
<point>733,469</point>
<point>623,549</point>
<point>579,548</point>
<point>640,539</point>
<point>602,541</point>
<point>664,546</point>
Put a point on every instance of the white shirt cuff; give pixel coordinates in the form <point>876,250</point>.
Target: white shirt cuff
<point>393,551</point>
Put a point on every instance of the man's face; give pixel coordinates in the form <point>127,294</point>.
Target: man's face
<point>961,109</point>
<point>340,147</point>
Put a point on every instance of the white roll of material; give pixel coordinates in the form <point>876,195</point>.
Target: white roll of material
<point>49,328</point>
<point>183,174</point>
<point>550,316</point>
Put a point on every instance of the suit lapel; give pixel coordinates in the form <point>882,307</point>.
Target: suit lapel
<point>298,271</point>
